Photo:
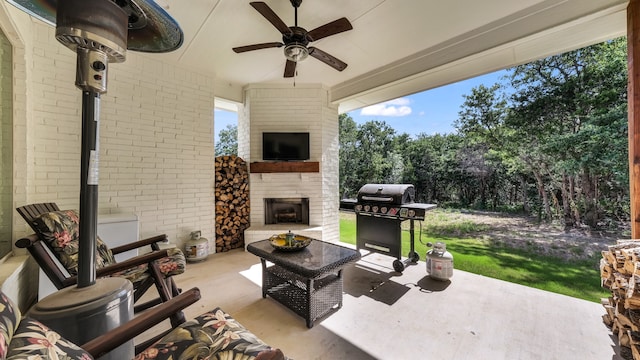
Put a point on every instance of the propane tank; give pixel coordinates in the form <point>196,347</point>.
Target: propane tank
<point>439,262</point>
<point>196,248</point>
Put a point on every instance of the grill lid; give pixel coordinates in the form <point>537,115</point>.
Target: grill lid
<point>390,194</point>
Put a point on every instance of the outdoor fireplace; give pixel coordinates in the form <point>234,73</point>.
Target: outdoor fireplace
<point>286,211</point>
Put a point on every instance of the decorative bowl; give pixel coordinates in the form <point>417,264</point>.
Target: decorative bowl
<point>289,242</point>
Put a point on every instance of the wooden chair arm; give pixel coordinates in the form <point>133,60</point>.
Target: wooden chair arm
<point>132,262</point>
<point>123,265</point>
<point>125,332</point>
<point>140,243</point>
<point>51,266</point>
<point>63,279</point>
<point>27,241</point>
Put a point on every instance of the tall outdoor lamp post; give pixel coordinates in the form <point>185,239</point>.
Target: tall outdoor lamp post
<point>99,31</point>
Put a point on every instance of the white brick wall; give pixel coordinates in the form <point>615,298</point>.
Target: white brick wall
<point>244,131</point>
<point>6,145</point>
<point>330,171</point>
<point>156,139</point>
<point>23,156</point>
<point>304,108</point>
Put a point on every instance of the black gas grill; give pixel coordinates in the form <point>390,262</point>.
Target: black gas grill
<point>380,210</point>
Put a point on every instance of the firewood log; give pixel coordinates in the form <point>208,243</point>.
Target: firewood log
<point>232,202</point>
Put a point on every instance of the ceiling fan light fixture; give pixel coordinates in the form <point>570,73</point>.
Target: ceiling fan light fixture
<point>296,52</point>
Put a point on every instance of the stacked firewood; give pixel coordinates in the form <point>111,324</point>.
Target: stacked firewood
<point>620,272</point>
<point>232,202</point>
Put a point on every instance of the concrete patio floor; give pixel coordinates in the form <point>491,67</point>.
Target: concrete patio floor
<point>387,315</point>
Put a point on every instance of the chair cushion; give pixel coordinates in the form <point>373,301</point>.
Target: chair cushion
<point>33,340</point>
<point>9,320</point>
<point>60,229</point>
<point>213,335</point>
<point>173,264</point>
<point>135,274</point>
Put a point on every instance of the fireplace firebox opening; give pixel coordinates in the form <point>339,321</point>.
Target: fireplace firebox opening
<point>286,211</point>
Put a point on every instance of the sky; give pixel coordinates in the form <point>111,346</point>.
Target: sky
<point>429,112</point>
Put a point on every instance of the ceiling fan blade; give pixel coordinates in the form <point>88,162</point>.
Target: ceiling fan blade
<point>327,59</point>
<point>241,49</point>
<point>290,69</point>
<point>332,28</point>
<point>274,19</point>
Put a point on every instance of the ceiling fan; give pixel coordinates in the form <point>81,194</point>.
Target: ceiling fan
<point>295,39</point>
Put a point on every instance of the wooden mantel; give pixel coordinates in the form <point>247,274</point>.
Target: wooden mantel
<point>284,167</point>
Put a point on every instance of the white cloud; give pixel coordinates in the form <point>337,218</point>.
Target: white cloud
<point>398,101</point>
<point>395,108</point>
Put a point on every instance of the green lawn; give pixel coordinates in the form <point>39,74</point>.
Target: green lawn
<point>580,279</point>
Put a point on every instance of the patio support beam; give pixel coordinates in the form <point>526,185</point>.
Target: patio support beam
<point>633,100</point>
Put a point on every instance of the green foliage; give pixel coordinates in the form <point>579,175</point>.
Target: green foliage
<point>549,139</point>
<point>482,115</point>
<point>569,110</point>
<point>228,144</point>
<point>431,165</point>
<point>369,153</point>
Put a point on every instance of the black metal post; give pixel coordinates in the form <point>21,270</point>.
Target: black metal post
<point>89,188</point>
<point>412,240</point>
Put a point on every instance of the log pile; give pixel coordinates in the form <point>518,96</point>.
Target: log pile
<point>620,272</point>
<point>232,202</point>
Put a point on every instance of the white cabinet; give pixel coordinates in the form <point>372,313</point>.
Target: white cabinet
<point>114,230</point>
<point>118,229</point>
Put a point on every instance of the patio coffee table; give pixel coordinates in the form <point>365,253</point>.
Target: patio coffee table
<point>307,281</point>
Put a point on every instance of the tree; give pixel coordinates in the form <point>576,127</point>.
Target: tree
<point>432,167</point>
<point>481,122</point>
<point>228,144</point>
<point>559,105</point>
<point>369,153</point>
<point>348,156</point>
<point>482,115</point>
<point>375,145</point>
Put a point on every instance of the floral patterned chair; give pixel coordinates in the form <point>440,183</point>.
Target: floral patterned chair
<point>213,335</point>
<point>54,246</point>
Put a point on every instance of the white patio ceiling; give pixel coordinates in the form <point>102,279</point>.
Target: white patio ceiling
<point>396,47</point>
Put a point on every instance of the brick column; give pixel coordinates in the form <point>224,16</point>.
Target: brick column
<point>633,41</point>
